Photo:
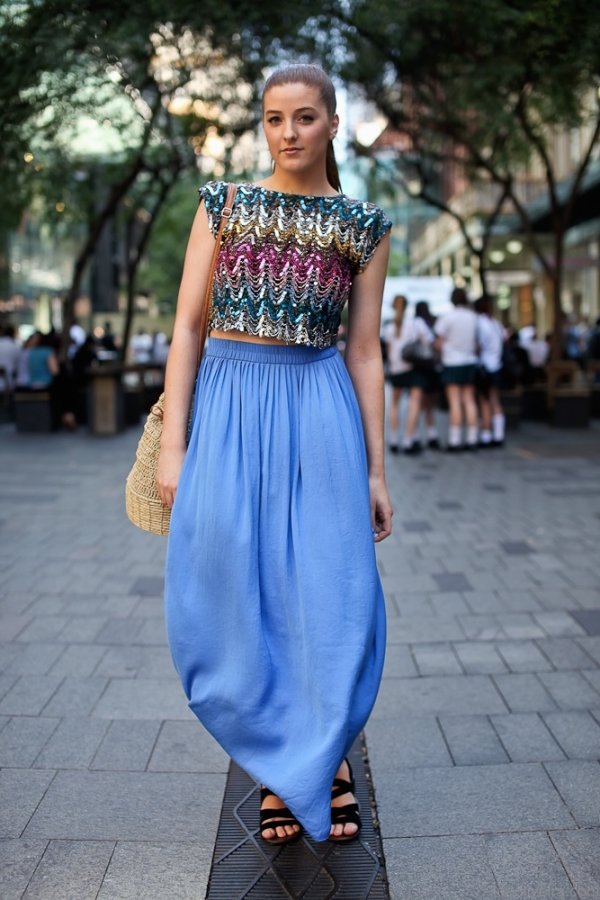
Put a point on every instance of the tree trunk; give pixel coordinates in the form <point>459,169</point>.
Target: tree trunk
<point>117,193</point>
<point>557,342</point>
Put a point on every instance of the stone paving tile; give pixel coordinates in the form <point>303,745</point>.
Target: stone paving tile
<point>33,658</point>
<point>461,870</point>
<point>577,733</point>
<point>472,740</point>
<point>127,745</point>
<point>75,697</point>
<point>143,698</point>
<point>449,604</point>
<point>82,629</point>
<point>527,866</point>
<point>23,738</point>
<point>438,694</point>
<point>524,693</point>
<point>144,806</point>
<point>452,581</point>
<point>18,861</point>
<point>578,851</point>
<point>20,793</point>
<point>43,628</point>
<point>479,658</point>
<point>72,745</point>
<point>436,659</point>
<point>579,786</point>
<point>70,869</point>
<point>187,747</point>
<point>29,695</point>
<point>523,656</point>
<point>591,645</point>
<point>566,653</point>
<point>593,678</point>
<point>413,629</point>
<point>78,660</point>
<point>138,661</point>
<point>399,662</point>
<point>12,625</point>
<point>154,871</point>
<point>406,741</point>
<point>570,690</point>
<point>469,800</point>
<point>526,738</point>
<point>559,624</point>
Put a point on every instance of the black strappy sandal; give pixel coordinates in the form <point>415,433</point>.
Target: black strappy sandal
<point>342,815</point>
<point>275,818</point>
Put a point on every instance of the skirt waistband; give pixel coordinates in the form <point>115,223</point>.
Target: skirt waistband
<point>250,351</point>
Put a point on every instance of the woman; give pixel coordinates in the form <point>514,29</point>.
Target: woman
<point>490,342</point>
<point>274,607</point>
<point>457,339</point>
<point>404,375</point>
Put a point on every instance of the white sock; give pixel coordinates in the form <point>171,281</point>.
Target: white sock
<point>394,437</point>
<point>486,437</point>
<point>432,433</point>
<point>408,441</point>
<point>454,434</point>
<point>498,422</point>
<point>472,434</point>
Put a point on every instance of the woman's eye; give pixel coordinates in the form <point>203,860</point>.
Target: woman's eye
<point>307,118</point>
<point>274,120</point>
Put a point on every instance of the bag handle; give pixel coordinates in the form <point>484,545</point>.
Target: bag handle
<point>207,305</point>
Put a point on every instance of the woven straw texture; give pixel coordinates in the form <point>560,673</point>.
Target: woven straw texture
<point>142,501</point>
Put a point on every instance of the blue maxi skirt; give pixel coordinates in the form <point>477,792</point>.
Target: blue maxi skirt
<point>274,607</point>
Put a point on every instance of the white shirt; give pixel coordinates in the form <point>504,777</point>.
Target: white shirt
<point>490,338</point>
<point>9,355</point>
<point>538,351</point>
<point>413,329</point>
<point>458,330</point>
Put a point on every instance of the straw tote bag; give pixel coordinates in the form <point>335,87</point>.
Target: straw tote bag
<point>142,501</point>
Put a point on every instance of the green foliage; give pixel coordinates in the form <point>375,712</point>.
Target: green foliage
<point>161,271</point>
<point>490,76</point>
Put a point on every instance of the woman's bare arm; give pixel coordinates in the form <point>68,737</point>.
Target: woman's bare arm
<point>365,366</point>
<point>183,355</point>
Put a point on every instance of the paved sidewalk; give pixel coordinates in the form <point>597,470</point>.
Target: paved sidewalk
<point>485,740</point>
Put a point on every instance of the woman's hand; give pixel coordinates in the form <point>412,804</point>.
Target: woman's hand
<point>381,509</point>
<point>170,462</point>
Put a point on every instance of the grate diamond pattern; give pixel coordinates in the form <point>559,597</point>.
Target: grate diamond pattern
<point>245,867</point>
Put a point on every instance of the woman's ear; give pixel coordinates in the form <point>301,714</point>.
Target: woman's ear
<point>335,124</point>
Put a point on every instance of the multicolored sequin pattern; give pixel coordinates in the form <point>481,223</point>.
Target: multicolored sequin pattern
<point>287,261</point>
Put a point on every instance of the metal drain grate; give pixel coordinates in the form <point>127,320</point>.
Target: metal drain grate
<point>244,866</point>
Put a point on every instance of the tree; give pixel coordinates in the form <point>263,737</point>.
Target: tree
<point>486,86</point>
<point>68,57</point>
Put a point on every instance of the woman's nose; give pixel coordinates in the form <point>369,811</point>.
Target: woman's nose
<point>289,132</point>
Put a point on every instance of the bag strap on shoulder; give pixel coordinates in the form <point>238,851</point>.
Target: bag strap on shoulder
<point>207,305</point>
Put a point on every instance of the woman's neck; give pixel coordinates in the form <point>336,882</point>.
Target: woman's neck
<point>309,184</point>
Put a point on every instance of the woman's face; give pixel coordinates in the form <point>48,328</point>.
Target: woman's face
<point>297,127</point>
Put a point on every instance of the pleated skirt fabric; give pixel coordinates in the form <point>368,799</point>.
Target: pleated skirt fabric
<point>274,607</point>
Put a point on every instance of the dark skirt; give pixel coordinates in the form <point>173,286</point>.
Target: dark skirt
<point>461,375</point>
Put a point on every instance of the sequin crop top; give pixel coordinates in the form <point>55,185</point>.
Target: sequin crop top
<point>286,262</point>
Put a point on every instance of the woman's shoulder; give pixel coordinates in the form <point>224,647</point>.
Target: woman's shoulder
<point>365,209</point>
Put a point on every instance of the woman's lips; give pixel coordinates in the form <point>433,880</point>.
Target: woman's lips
<point>291,151</point>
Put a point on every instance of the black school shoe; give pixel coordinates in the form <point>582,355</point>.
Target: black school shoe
<point>433,444</point>
<point>413,449</point>
<point>454,448</point>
